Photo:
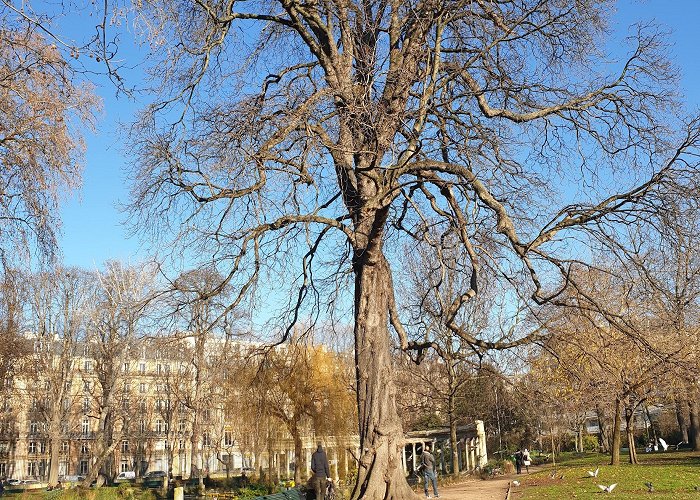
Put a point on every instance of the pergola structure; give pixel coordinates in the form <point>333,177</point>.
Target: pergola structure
<point>471,446</point>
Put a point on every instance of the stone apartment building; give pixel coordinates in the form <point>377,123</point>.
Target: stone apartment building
<point>153,421</point>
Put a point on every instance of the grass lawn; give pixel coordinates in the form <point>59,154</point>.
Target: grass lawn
<point>674,475</point>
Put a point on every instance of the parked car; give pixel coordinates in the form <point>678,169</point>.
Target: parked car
<point>31,481</point>
<point>74,478</point>
<point>154,479</point>
<point>154,474</point>
<point>123,477</point>
<point>14,482</point>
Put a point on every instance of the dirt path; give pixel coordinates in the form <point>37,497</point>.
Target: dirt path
<point>490,489</point>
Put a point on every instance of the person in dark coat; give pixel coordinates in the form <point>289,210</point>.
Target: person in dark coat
<point>321,471</point>
<point>518,461</point>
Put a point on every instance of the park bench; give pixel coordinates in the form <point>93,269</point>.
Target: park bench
<point>292,494</point>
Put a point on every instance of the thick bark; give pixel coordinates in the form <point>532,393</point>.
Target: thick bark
<point>615,448</point>
<point>682,422</point>
<point>380,474</point>
<point>694,430</point>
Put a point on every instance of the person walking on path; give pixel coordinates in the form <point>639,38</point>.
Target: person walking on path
<point>427,462</point>
<point>321,470</point>
<point>526,460</point>
<point>518,461</point>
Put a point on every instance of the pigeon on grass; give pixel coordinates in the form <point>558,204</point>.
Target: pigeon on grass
<point>607,489</point>
<point>594,474</point>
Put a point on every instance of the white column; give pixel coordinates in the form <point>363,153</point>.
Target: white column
<point>481,442</point>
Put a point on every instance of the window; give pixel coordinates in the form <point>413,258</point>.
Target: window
<point>206,439</point>
<point>127,387</point>
<point>42,447</point>
<point>142,368</point>
<point>125,447</point>
<point>228,438</point>
<point>125,404</point>
<point>182,444</point>
<point>66,404</point>
<point>182,425</point>
<point>86,385</point>
<point>86,350</point>
<point>31,469</point>
<point>142,426</point>
<point>68,386</point>
<point>83,467</point>
<point>159,369</point>
<point>160,426</point>
<point>125,367</point>
<point>33,427</point>
<point>159,388</point>
<point>142,387</point>
<point>86,404</point>
<point>142,405</point>
<point>84,448</point>
<point>64,446</point>
<point>31,447</point>
<point>85,426</point>
<point>124,466</point>
<point>88,365</point>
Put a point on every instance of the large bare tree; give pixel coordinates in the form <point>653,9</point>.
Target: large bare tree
<point>330,134</point>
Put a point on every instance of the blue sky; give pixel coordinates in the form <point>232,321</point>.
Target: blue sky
<point>93,229</point>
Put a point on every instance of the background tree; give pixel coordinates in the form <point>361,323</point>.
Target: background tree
<point>59,306</point>
<point>371,118</point>
<point>44,109</point>
<point>193,307</point>
<point>306,388</point>
<point>120,297</point>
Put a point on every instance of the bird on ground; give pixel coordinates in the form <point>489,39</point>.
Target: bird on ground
<point>607,489</point>
<point>650,486</point>
<point>594,474</point>
<point>516,483</point>
<point>561,477</point>
<point>553,474</point>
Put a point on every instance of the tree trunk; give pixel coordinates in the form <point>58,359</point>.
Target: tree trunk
<point>629,421</point>
<point>453,437</point>
<point>682,422</point>
<point>55,447</point>
<point>694,431</point>
<point>603,436</point>
<point>298,453</point>
<point>380,474</point>
<point>615,448</point>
